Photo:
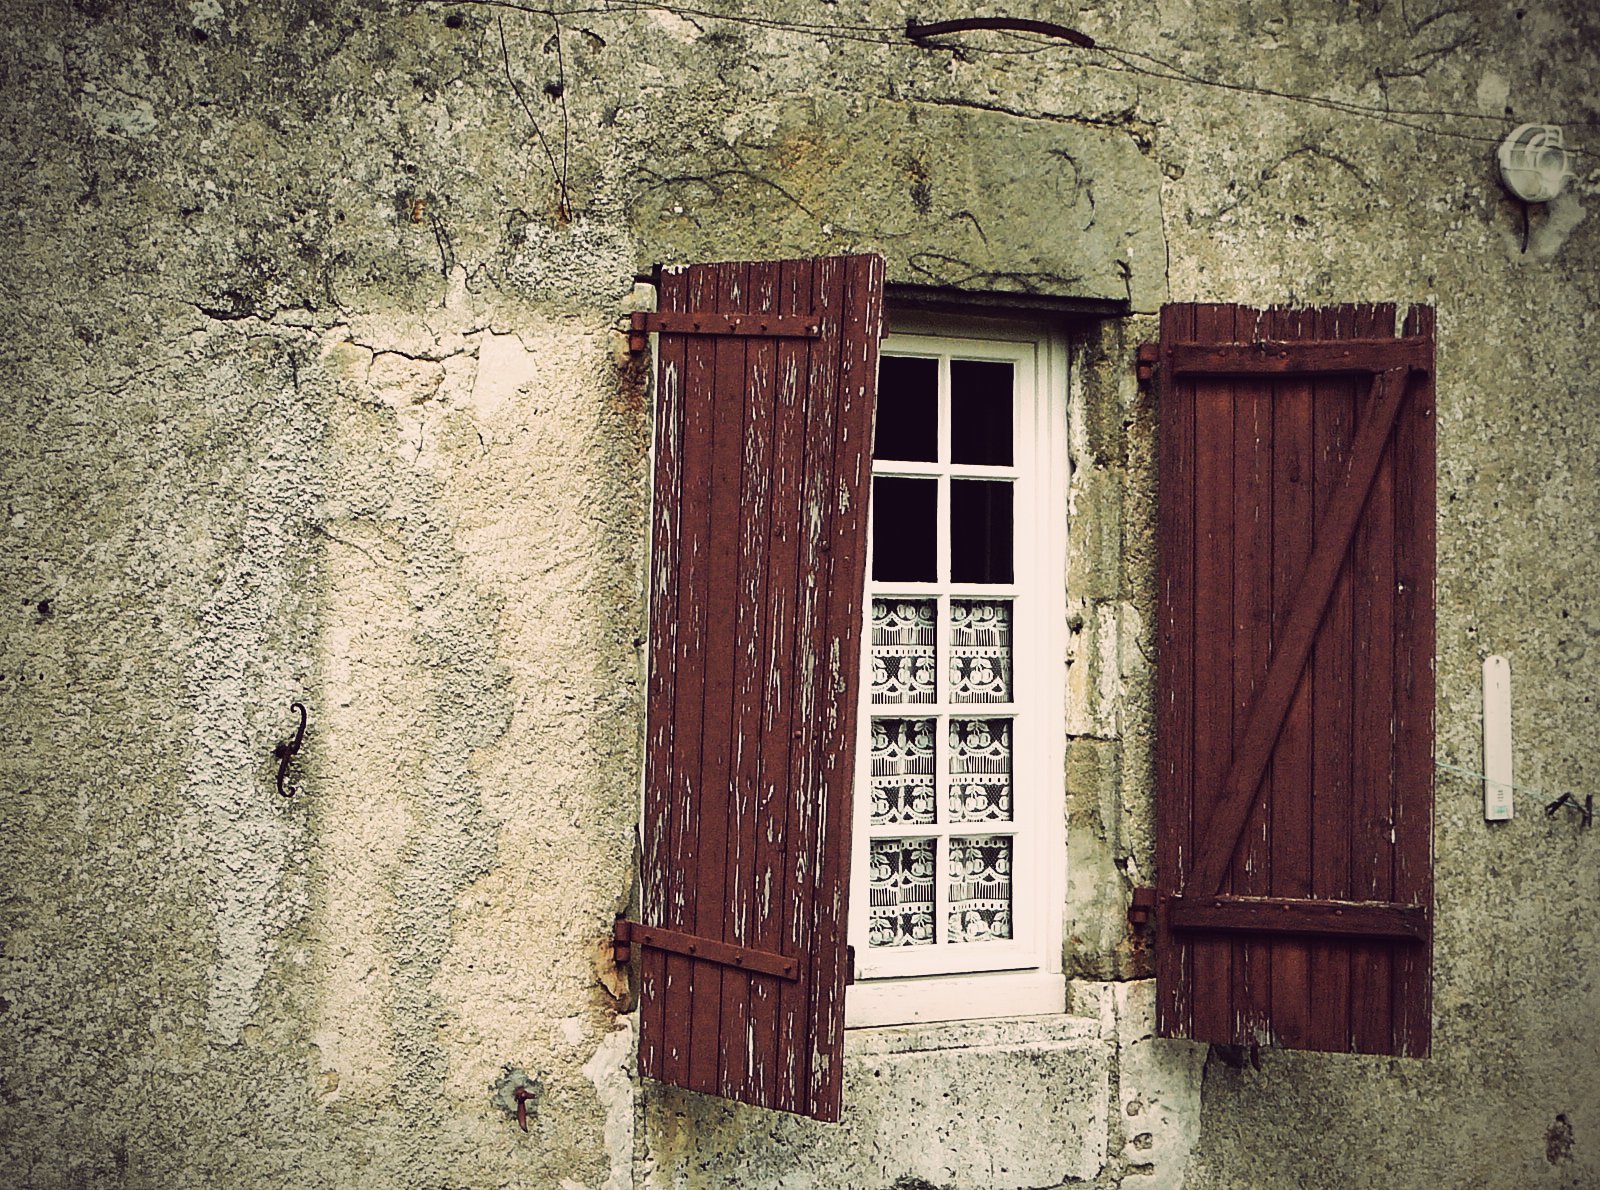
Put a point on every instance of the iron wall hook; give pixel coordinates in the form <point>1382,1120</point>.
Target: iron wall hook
<point>285,751</point>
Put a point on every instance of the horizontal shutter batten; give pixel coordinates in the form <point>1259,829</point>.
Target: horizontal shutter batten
<point>1269,357</point>
<point>708,322</point>
<point>1291,915</point>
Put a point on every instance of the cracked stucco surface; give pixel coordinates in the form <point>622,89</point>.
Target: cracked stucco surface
<point>311,393</point>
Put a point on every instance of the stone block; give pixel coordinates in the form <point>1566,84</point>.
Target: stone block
<point>1020,1102</point>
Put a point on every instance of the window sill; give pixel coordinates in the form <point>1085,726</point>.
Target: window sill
<point>922,1000</point>
<point>1047,1029</point>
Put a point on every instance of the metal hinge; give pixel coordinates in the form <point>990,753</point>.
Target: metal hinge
<point>1142,908</point>
<point>1145,362</point>
<point>708,950</point>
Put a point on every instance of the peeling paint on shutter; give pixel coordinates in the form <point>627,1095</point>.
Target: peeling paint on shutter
<point>757,569</point>
<point>1295,678</point>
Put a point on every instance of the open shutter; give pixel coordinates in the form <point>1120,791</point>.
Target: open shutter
<point>1295,678</point>
<point>766,386</point>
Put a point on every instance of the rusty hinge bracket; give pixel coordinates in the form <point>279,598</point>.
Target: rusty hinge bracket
<point>521,1096</point>
<point>1145,365</point>
<point>849,965</point>
<point>621,951</point>
<point>703,322</point>
<point>709,950</point>
<point>1142,908</point>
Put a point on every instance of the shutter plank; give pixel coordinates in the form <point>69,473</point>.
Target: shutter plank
<point>694,592</point>
<point>752,628</point>
<point>1214,700</point>
<point>1289,778</point>
<point>1415,501</point>
<point>846,499</point>
<point>1343,353</point>
<point>1372,782</point>
<point>770,1001</point>
<point>658,876</point>
<point>1175,674</point>
<point>1333,415</point>
<point>720,288</point>
<point>798,298</point>
<point>777,287</point>
<point>794,1041</point>
<point>1295,916</point>
<point>828,284</point>
<point>1252,640</point>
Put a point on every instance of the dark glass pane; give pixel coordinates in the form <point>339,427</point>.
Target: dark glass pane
<point>980,412</point>
<point>980,531</point>
<point>908,409</point>
<point>903,542</point>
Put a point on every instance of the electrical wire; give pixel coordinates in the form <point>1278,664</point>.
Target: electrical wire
<point>1115,59</point>
<point>1473,774</point>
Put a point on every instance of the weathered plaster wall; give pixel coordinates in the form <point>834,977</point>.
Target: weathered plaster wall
<point>1326,210</point>
<point>313,390</point>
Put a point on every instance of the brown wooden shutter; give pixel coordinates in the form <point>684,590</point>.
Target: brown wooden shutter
<point>1295,678</point>
<point>767,377</point>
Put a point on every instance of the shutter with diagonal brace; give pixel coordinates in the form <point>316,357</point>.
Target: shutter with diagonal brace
<point>765,395</point>
<point>1295,677</point>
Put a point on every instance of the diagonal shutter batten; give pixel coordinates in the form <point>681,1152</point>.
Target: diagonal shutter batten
<point>1267,712</point>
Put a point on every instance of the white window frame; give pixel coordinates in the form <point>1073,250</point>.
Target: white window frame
<point>1022,976</point>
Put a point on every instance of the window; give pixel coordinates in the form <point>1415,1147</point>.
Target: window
<point>958,849</point>
<point>779,626</point>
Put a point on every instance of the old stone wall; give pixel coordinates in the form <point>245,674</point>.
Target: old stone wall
<point>314,390</point>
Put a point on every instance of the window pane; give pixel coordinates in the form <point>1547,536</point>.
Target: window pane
<point>980,650</point>
<point>980,531</point>
<point>980,412</point>
<point>980,770</point>
<point>902,771</point>
<point>980,889</point>
<point>901,892</point>
<point>903,526</point>
<point>908,409</point>
<point>903,644</point>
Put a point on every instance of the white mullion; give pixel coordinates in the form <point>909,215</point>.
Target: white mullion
<point>941,668</point>
<point>972,710</point>
<point>944,410</point>
<point>858,926</point>
<point>904,468</point>
<point>1024,809</point>
<point>1027,675</point>
<point>941,726</point>
<point>988,592</point>
<point>941,889</point>
<point>1024,555</point>
<point>979,471</point>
